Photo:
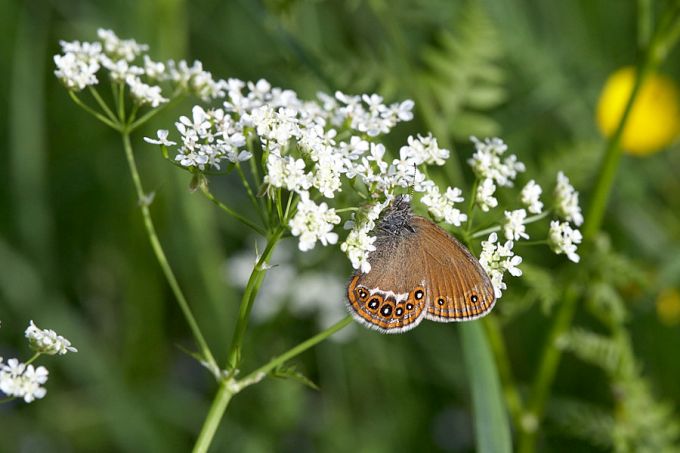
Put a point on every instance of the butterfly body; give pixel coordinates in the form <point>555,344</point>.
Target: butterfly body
<point>417,271</point>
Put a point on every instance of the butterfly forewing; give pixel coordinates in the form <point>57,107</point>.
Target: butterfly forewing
<point>458,287</point>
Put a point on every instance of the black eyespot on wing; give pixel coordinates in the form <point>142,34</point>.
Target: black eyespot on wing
<point>474,298</point>
<point>386,310</point>
<point>399,311</point>
<point>373,304</point>
<point>440,301</point>
<point>419,294</point>
<point>409,306</point>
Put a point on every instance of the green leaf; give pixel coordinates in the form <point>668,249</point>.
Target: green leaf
<point>289,372</point>
<point>492,425</point>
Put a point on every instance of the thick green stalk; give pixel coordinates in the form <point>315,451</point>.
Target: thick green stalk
<point>162,259</point>
<point>212,420</point>
<point>252,287</point>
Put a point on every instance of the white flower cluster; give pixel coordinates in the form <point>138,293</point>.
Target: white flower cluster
<point>441,205</point>
<point>359,242</point>
<point>22,381</point>
<point>313,223</point>
<point>514,227</point>
<point>492,169</point>
<point>46,341</point>
<point>80,62</point>
<point>562,237</point>
<point>496,259</point>
<point>566,201</point>
<point>207,139</point>
<point>302,153</point>
<point>531,197</point>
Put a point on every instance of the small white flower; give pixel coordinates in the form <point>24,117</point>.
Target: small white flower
<point>424,150</point>
<point>78,66</point>
<point>287,172</point>
<point>531,194</point>
<point>145,94</point>
<point>514,227</point>
<point>126,49</point>
<point>22,381</point>
<point>441,206</point>
<point>46,341</point>
<point>566,200</point>
<point>487,163</point>
<point>162,135</point>
<point>357,246</point>
<point>563,239</point>
<point>496,259</point>
<point>313,223</point>
<point>485,198</point>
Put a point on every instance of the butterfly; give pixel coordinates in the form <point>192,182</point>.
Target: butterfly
<point>418,271</point>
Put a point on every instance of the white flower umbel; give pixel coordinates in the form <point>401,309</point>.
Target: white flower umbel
<point>46,341</point>
<point>488,164</point>
<point>531,194</point>
<point>313,223</point>
<point>287,172</point>
<point>441,206</point>
<point>78,65</point>
<point>566,200</point>
<point>564,239</point>
<point>22,381</point>
<point>207,138</point>
<point>514,228</point>
<point>424,150</point>
<point>359,242</point>
<point>485,199</point>
<point>145,94</point>
<point>496,259</point>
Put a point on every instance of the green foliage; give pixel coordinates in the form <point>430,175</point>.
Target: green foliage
<point>463,76</point>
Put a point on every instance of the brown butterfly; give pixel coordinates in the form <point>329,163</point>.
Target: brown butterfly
<point>417,271</point>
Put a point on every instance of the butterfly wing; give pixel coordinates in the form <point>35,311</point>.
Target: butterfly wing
<point>458,288</point>
<point>391,298</point>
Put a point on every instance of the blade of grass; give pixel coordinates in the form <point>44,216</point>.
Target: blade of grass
<point>492,424</point>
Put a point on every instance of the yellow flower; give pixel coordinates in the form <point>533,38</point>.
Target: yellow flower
<point>654,120</point>
<point>668,306</point>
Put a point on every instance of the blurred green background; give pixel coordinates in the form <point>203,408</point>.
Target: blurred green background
<point>74,256</point>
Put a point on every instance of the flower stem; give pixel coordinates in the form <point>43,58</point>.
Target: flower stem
<point>229,387</point>
<point>252,287</point>
<point>162,259</point>
<point>231,212</point>
<point>212,420</point>
<point>528,220</point>
<point>91,111</point>
<point>297,350</point>
<point>32,359</point>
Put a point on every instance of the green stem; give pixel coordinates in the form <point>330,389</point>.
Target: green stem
<point>224,394</point>
<point>163,261</point>
<point>297,350</point>
<point>32,359</point>
<point>231,212</point>
<point>249,190</point>
<point>546,373</point>
<point>229,387</point>
<point>93,112</point>
<point>252,288</point>
<point>528,220</point>
<point>150,114</point>
<point>104,106</point>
